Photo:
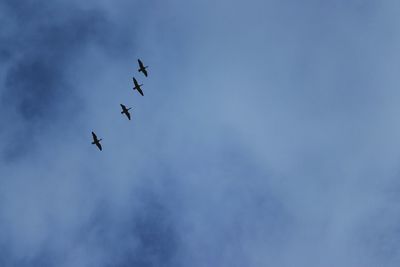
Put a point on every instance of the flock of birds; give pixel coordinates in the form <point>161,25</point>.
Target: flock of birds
<point>125,110</point>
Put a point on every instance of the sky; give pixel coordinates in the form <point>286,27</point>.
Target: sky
<point>268,133</point>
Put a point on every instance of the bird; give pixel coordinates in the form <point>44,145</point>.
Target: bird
<point>142,68</point>
<point>126,111</point>
<point>137,86</point>
<point>96,141</point>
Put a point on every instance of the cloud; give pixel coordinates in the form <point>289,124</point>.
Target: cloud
<point>41,45</point>
<point>267,134</point>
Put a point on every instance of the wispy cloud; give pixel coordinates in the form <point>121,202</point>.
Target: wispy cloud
<point>267,134</point>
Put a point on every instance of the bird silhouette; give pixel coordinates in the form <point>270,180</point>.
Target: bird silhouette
<point>137,86</point>
<point>142,68</point>
<point>126,111</point>
<point>96,141</point>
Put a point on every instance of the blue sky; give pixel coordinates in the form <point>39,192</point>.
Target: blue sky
<point>268,134</point>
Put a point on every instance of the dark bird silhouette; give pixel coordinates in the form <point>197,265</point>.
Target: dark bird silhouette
<point>125,111</point>
<point>142,68</point>
<point>137,86</point>
<point>96,141</point>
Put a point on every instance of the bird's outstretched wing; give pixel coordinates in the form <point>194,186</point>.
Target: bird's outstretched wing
<point>123,107</point>
<point>128,115</point>
<point>140,64</point>
<point>134,81</point>
<point>144,72</point>
<point>140,90</point>
<point>94,136</point>
<point>99,145</point>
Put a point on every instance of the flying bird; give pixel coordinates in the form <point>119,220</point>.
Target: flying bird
<point>96,141</point>
<point>125,111</point>
<point>142,68</point>
<point>137,86</point>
